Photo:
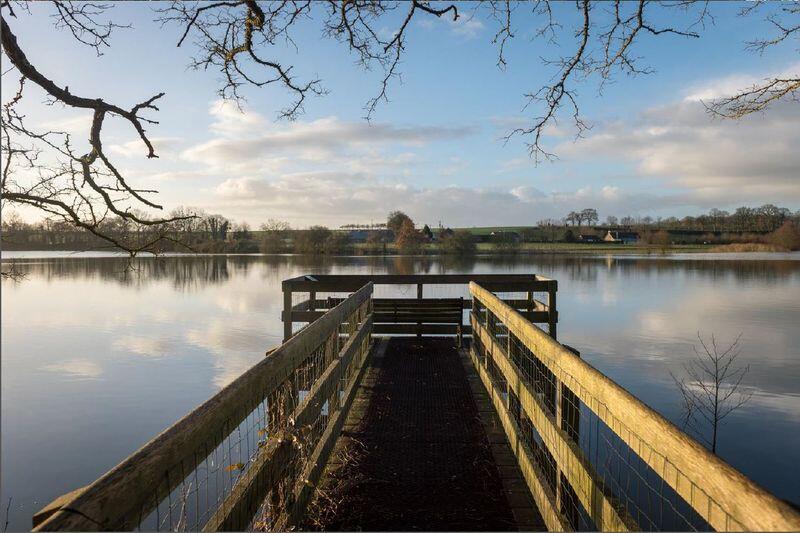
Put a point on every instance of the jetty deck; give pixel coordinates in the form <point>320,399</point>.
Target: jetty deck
<point>431,402</point>
<point>421,450</point>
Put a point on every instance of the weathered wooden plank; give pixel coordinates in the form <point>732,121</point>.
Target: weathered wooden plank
<point>386,315</point>
<point>121,495</point>
<point>399,318</point>
<point>719,493</point>
<point>306,305</point>
<point>56,505</point>
<point>417,305</point>
<point>466,303</point>
<point>348,282</point>
<point>606,513</point>
<point>421,306</point>
<point>535,479</point>
<point>287,306</point>
<point>425,329</point>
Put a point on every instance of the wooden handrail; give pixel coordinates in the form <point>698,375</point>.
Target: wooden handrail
<point>126,490</point>
<point>346,282</point>
<point>309,310</point>
<point>273,459</point>
<point>606,513</point>
<point>726,498</point>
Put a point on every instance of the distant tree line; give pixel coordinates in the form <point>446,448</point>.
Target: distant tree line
<point>196,230</point>
<point>373,225</point>
<point>762,219</point>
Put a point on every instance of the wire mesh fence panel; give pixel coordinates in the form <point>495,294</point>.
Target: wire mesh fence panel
<point>235,460</point>
<point>611,462</point>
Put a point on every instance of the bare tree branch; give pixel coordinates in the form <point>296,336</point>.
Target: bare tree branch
<point>231,35</point>
<point>713,389</point>
<point>605,39</point>
<point>83,189</point>
<point>759,96</point>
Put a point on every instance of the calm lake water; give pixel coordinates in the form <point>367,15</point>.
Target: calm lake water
<point>97,357</point>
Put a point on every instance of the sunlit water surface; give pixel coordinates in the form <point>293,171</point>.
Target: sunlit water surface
<point>98,357</point>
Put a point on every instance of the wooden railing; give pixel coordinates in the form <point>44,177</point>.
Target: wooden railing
<point>432,312</point>
<point>593,455</point>
<point>247,457</point>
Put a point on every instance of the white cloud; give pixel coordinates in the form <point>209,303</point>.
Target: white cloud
<point>164,147</point>
<point>235,348</point>
<point>610,192</point>
<point>527,193</point>
<point>733,84</point>
<point>333,171</point>
<point>467,27</point>
<point>515,164</point>
<point>709,161</point>
<point>232,121</point>
<point>328,140</point>
<point>76,368</point>
<point>146,346</point>
<point>74,124</point>
<point>335,198</point>
<point>455,166</point>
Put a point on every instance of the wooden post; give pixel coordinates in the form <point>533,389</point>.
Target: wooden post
<point>287,313</point>
<point>460,323</point>
<point>571,411</point>
<point>567,418</point>
<point>419,297</point>
<point>559,489</point>
<point>551,312</point>
<point>312,300</point>
<point>530,305</point>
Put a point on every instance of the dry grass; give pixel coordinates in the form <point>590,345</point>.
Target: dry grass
<point>329,499</point>
<point>748,247</point>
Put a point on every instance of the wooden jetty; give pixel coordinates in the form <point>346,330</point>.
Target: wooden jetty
<point>433,402</point>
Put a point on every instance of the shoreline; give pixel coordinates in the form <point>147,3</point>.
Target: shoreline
<point>588,250</point>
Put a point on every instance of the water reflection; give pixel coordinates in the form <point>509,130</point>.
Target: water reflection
<point>75,368</point>
<point>99,355</point>
<point>192,272</point>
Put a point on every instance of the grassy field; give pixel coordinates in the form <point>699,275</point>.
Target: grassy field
<point>489,229</point>
<point>566,247</point>
<point>558,247</point>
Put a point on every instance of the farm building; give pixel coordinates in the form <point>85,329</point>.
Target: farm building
<point>623,237</point>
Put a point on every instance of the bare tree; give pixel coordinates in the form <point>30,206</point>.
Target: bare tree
<point>395,221</point>
<point>589,215</point>
<point>273,235</point>
<point>573,217</point>
<point>713,389</point>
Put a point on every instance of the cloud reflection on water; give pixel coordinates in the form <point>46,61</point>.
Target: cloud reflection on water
<point>134,351</point>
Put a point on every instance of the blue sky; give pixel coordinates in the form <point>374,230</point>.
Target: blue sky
<point>435,150</point>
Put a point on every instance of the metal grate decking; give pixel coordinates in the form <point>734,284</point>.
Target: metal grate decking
<point>415,452</point>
